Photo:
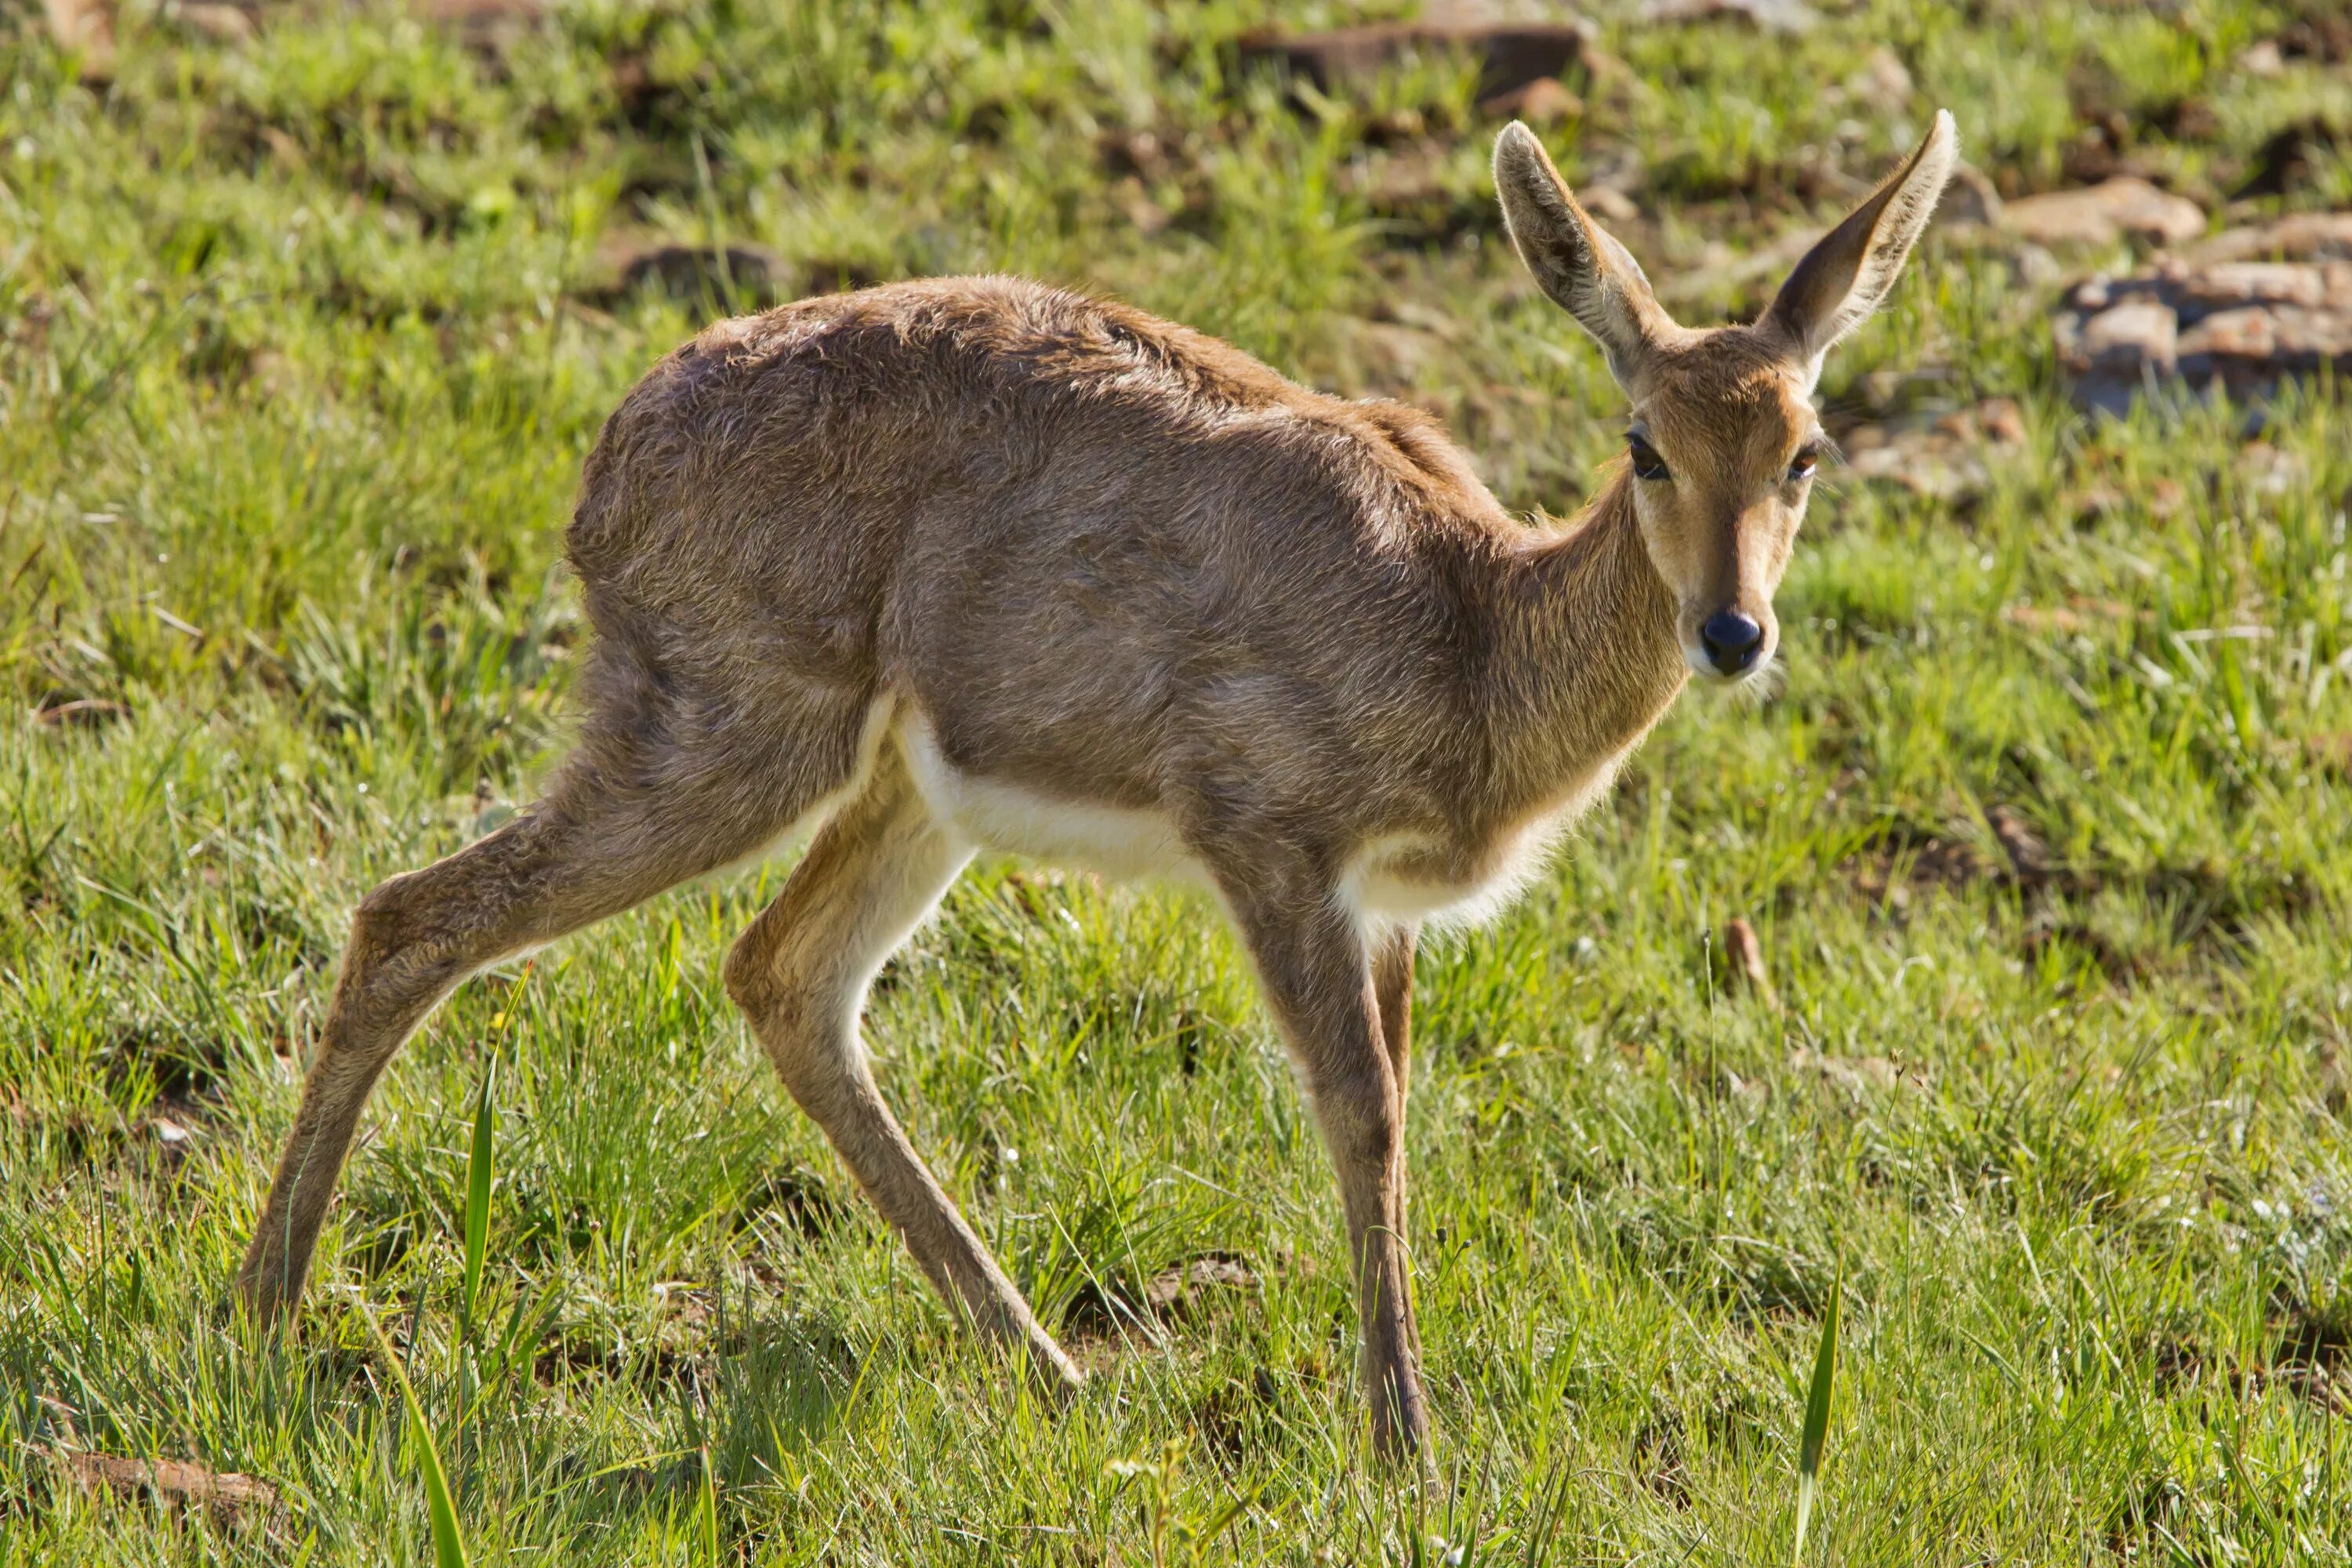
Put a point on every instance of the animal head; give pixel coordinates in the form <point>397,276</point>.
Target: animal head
<point>1723,439</point>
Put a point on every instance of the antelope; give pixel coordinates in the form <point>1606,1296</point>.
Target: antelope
<point>974,563</point>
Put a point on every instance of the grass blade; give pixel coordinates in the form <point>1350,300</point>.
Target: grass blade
<point>709,1511</point>
<point>449,1542</point>
<point>478,1192</point>
<point>1817,1419</point>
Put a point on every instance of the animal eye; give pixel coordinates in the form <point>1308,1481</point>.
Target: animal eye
<point>1647,464</point>
<point>1804,467</point>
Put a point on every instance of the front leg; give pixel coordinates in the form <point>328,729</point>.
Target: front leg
<point>1318,975</point>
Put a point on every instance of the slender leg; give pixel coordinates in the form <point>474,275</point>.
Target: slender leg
<point>1392,989</point>
<point>618,825</point>
<point>1392,984</point>
<point>800,973</point>
<point>1319,978</point>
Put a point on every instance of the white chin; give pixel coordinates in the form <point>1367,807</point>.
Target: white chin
<point>1707,675</point>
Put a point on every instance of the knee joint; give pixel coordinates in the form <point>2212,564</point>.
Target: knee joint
<point>750,974</point>
<point>1358,1117</point>
<point>380,921</point>
<point>403,943</point>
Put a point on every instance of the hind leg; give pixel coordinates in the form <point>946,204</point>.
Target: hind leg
<point>627,818</point>
<point>800,973</point>
<point>1392,952</point>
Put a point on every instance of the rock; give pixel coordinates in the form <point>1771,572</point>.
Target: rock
<point>1744,967</point>
<point>2244,310</point>
<point>1999,421</point>
<point>2079,613</point>
<point>2230,284</point>
<point>1940,456</point>
<point>2325,38</point>
<point>1132,200</point>
<point>2126,338</point>
<point>738,276</point>
<point>221,23</point>
<point>1969,201</point>
<point>2029,856</point>
<point>1884,83</point>
<point>228,1496</point>
<point>1545,102</point>
<point>491,27</point>
<point>477,13</point>
<point>1419,196</point>
<point>2029,266</point>
<point>1717,272</point>
<point>1857,1075</point>
<point>82,713</point>
<point>2306,237</point>
<point>2292,157</point>
<point>1609,204</point>
<point>84,28</point>
<point>1510,55</point>
<point>1773,16</point>
<point>2100,215</point>
<point>1175,1288</point>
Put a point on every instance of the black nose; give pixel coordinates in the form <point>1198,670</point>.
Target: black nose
<point>1732,640</point>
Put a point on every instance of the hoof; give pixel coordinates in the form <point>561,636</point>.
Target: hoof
<point>1054,1369</point>
<point>265,1293</point>
<point>1400,1424</point>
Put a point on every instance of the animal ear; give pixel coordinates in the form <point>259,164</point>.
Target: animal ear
<point>1850,273</point>
<point>1586,272</point>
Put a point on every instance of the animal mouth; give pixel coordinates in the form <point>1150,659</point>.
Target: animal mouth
<point>1709,673</point>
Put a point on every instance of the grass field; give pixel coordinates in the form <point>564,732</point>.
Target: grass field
<point>302,339</point>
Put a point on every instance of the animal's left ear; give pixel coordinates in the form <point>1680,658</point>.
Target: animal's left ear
<point>1849,274</point>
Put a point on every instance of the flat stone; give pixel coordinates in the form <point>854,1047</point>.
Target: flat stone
<point>2235,283</point>
<point>2243,312</point>
<point>1969,200</point>
<point>1884,83</point>
<point>1543,102</point>
<point>492,28</point>
<point>2100,215</point>
<point>2304,236</point>
<point>1609,204</point>
<point>1510,55</point>
<point>2126,336</point>
<point>2257,343</point>
<point>1942,456</point>
<point>2249,333</point>
<point>1773,16</point>
<point>477,13</point>
<point>222,24</point>
<point>227,1496</point>
<point>748,277</point>
<point>1174,1287</point>
<point>85,29</point>
<point>1744,965</point>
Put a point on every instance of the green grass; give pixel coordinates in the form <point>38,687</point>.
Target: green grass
<point>302,341</point>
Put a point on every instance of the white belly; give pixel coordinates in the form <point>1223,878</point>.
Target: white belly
<point>1130,845</point>
<point>1122,843</point>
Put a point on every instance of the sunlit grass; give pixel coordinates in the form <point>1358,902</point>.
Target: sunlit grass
<point>302,342</point>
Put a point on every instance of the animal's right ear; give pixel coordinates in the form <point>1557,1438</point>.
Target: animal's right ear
<point>1850,273</point>
<point>1585,272</point>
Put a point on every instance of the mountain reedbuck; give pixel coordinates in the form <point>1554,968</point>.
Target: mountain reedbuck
<point>973,563</point>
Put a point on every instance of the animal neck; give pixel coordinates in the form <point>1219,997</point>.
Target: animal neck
<point>1588,640</point>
